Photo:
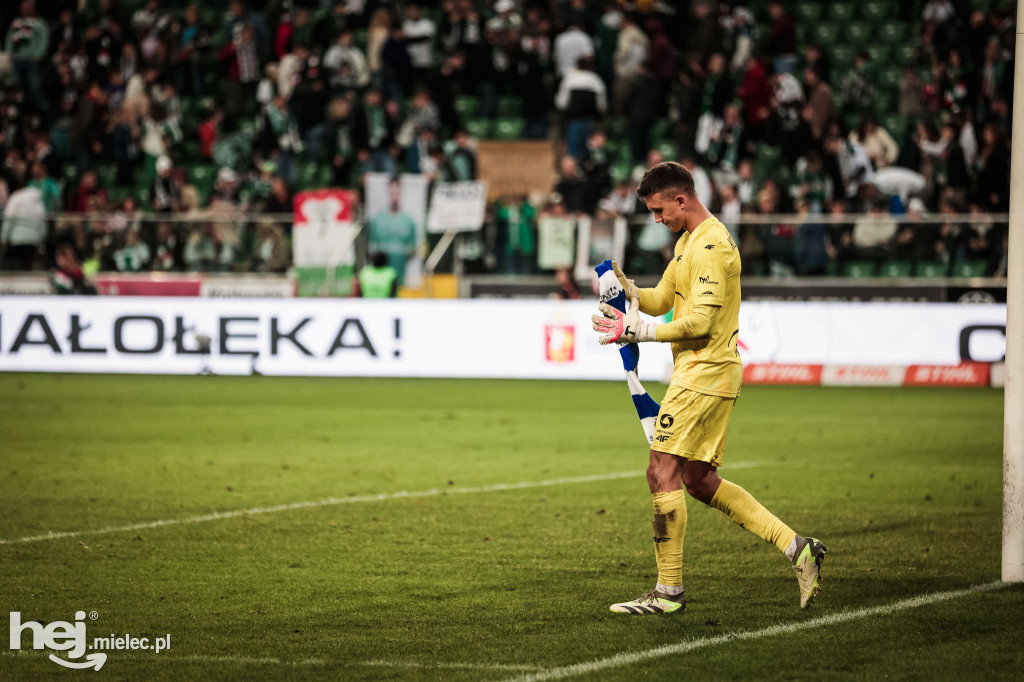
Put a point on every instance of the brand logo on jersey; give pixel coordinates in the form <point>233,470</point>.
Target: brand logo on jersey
<point>707,280</point>
<point>709,247</point>
<point>707,293</point>
<point>662,439</point>
<point>666,421</point>
<point>679,258</point>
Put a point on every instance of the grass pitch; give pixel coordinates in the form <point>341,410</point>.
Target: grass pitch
<point>499,563</point>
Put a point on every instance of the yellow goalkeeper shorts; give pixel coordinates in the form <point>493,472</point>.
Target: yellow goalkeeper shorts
<point>693,425</point>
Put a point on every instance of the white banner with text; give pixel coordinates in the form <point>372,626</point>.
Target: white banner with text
<point>538,339</point>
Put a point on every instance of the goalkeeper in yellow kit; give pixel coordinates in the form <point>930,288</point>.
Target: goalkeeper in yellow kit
<point>701,286</point>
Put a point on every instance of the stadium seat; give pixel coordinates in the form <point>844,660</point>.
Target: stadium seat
<point>618,149</point>
<point>841,11</point>
<point>894,124</point>
<point>510,105</point>
<point>467,105</point>
<point>842,56</point>
<point>508,128</point>
<point>661,128</point>
<point>859,33</point>
<point>202,175</point>
<point>191,150</point>
<point>825,33</point>
<point>807,12</point>
<point>879,54</point>
<point>971,268</point>
<point>359,38</point>
<point>896,268</point>
<point>891,31</point>
<point>889,76</point>
<point>931,270</point>
<point>668,149</point>
<point>106,173</point>
<point>906,53</point>
<point>886,99</point>
<point>766,161</point>
<point>480,128</point>
<point>615,127</point>
<point>621,171</point>
<point>875,10</point>
<point>859,268</point>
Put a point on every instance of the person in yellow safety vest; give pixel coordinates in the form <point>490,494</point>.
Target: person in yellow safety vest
<point>378,279</point>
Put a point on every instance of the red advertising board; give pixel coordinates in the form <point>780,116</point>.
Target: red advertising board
<point>796,375</point>
<point>148,285</point>
<point>964,374</point>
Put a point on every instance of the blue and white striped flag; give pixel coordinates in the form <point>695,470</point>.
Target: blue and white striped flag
<point>646,408</point>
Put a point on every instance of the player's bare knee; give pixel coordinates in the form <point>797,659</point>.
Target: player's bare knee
<point>700,484</point>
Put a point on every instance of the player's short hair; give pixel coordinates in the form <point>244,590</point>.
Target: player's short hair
<point>667,177</point>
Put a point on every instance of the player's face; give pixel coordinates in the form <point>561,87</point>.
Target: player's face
<point>668,210</point>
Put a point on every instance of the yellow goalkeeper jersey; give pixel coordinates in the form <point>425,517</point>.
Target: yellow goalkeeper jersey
<point>705,270</point>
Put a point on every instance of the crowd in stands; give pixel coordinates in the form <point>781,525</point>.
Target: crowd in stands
<point>223,111</point>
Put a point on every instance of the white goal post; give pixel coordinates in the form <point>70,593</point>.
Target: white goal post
<point>1013,402</point>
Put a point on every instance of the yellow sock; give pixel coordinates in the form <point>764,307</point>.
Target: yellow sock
<point>742,508</point>
<point>669,529</point>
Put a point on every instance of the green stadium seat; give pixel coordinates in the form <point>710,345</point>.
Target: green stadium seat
<point>510,105</point>
<point>766,161</point>
<point>894,124</point>
<point>859,268</point>
<point>615,127</point>
<point>842,56</point>
<point>931,270</point>
<point>807,12</point>
<point>661,128</point>
<point>852,119</point>
<point>971,268</point>
<point>480,128</point>
<point>878,53</point>
<point>825,33</point>
<point>906,53</point>
<point>191,150</point>
<point>889,77</point>
<point>841,11</point>
<point>891,32</point>
<point>618,149</point>
<point>508,128</point>
<point>859,32</point>
<point>875,10</point>
<point>106,173</point>
<point>466,105</point>
<point>896,268</point>
<point>885,100</point>
<point>212,17</point>
<point>621,170</point>
<point>117,194</point>
<point>359,38</point>
<point>202,176</point>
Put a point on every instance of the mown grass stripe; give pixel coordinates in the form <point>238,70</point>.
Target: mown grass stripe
<point>326,502</point>
<point>331,501</point>
<point>634,657</point>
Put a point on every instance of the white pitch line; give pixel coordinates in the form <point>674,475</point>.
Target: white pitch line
<point>320,662</point>
<point>326,502</point>
<point>317,662</point>
<point>630,658</point>
<point>331,501</point>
